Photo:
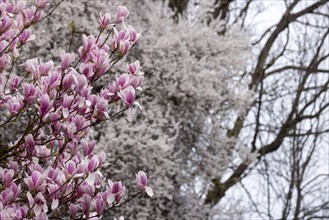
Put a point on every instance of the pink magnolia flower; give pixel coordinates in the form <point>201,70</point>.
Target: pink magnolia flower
<point>104,20</point>
<point>116,192</point>
<point>87,69</point>
<point>102,63</point>
<point>52,174</point>
<point>122,82</point>
<point>20,5</point>
<point>69,130</point>
<point>26,37</point>
<point>73,210</point>
<point>14,106</point>
<point>88,147</point>
<point>66,59</point>
<point>9,7</point>
<point>79,122</point>
<point>124,47</point>
<point>86,204</point>
<point>29,142</point>
<point>16,189</point>
<point>54,194</point>
<point>13,165</point>
<point>4,61</point>
<point>141,180</point>
<point>128,96</point>
<point>82,82</point>
<point>101,157</point>
<point>35,182</point>
<point>45,104</point>
<point>70,169</point>
<point>88,43</point>
<point>133,68</point>
<point>5,23</point>
<point>30,15</point>
<point>112,89</point>
<point>99,205</point>
<point>118,37</point>
<point>42,3</point>
<point>54,80</point>
<point>45,68</point>
<point>86,188</point>
<point>6,176</point>
<point>6,196</point>
<point>29,93</point>
<point>38,203</point>
<point>134,36</point>
<point>136,82</point>
<point>42,151</point>
<point>69,81</point>
<point>93,164</point>
<point>13,83</point>
<point>122,13</point>
<point>101,109</point>
<point>67,103</point>
<point>31,65</point>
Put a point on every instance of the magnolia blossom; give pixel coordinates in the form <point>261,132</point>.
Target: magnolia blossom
<point>133,68</point>
<point>66,59</point>
<point>128,96</point>
<point>6,176</point>
<point>73,210</point>
<point>35,182</point>
<point>38,203</point>
<point>14,82</point>
<point>116,190</point>
<point>29,93</point>
<point>44,68</point>
<point>86,204</point>
<point>26,37</point>
<point>104,20</point>
<point>42,3</point>
<point>45,104</point>
<point>122,13</point>
<point>141,180</point>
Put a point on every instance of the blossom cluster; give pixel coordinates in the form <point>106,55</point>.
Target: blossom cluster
<point>51,169</point>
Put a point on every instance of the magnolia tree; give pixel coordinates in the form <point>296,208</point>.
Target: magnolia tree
<point>49,168</point>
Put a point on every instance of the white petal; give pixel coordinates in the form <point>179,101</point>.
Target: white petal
<point>106,114</point>
<point>149,191</point>
<point>37,209</point>
<point>65,113</point>
<point>110,198</point>
<point>130,114</point>
<point>30,198</point>
<point>91,179</point>
<point>32,37</point>
<point>78,175</point>
<point>54,204</point>
<point>81,103</point>
<point>137,104</point>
